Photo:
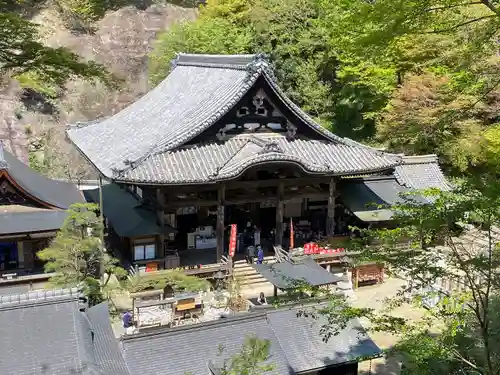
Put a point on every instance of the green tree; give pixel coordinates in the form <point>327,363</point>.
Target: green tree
<point>453,42</point>
<point>340,91</point>
<point>252,359</point>
<point>453,240</point>
<point>76,253</point>
<point>36,65</point>
<point>176,279</point>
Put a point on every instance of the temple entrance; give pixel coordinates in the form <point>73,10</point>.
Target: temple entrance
<point>264,202</point>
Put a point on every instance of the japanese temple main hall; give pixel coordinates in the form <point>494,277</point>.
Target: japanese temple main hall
<point>218,143</point>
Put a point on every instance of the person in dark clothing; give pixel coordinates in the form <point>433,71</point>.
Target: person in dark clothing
<point>127,319</point>
<point>250,254</point>
<point>260,255</point>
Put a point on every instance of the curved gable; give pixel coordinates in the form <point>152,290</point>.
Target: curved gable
<point>32,185</point>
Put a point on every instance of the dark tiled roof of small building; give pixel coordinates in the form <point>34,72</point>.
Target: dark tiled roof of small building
<point>54,193</point>
<point>190,349</point>
<point>370,199</point>
<point>287,275</point>
<point>107,352</point>
<point>194,96</point>
<point>305,349</point>
<point>125,213</point>
<point>217,161</point>
<point>48,332</point>
<point>421,172</point>
<point>31,221</point>
<point>45,333</point>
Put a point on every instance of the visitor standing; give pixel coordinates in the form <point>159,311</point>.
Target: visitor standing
<point>260,255</point>
<point>250,254</point>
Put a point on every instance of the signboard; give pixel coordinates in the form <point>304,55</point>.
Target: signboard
<point>151,267</point>
<point>232,240</point>
<point>313,248</point>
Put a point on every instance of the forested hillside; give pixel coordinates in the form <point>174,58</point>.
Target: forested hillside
<point>43,89</point>
<point>416,77</point>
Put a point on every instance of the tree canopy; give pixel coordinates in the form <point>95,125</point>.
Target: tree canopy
<point>76,254</point>
<point>417,76</point>
<point>36,65</point>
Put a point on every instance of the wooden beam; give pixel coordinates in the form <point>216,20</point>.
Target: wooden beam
<point>279,215</point>
<point>231,185</point>
<point>330,218</point>
<point>286,198</point>
<point>160,213</point>
<point>221,195</point>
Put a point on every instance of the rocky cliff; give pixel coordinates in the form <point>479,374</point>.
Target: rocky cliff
<point>121,41</point>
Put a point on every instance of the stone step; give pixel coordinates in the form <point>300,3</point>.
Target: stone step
<point>245,272</point>
<point>251,277</point>
<point>255,282</point>
<point>243,263</point>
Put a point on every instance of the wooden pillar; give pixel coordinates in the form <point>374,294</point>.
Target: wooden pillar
<point>221,197</point>
<point>160,212</point>
<point>279,215</point>
<point>330,218</point>
<point>101,235</point>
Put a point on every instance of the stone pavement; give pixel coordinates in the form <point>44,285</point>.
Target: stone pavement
<point>373,297</point>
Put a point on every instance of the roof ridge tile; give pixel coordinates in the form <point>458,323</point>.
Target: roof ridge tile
<point>45,296</point>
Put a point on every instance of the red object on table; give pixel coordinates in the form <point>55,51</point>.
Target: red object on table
<point>232,240</point>
<point>313,248</point>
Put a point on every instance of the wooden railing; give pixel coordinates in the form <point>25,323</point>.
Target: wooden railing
<point>280,254</point>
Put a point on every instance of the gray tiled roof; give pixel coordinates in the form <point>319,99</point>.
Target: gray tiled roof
<point>124,213</point>
<point>48,332</point>
<point>196,94</point>
<point>31,221</point>
<point>216,161</point>
<point>45,333</point>
<point>296,344</point>
<point>370,199</point>
<point>286,275</point>
<point>305,349</point>
<point>107,352</point>
<point>421,172</point>
<point>55,193</point>
<point>189,350</point>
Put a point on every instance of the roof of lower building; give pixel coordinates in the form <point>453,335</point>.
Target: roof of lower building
<point>219,161</point>
<point>297,345</point>
<point>421,172</point>
<point>49,332</point>
<point>125,213</point>
<point>288,275</point>
<point>107,351</point>
<point>50,192</point>
<point>144,139</point>
<point>30,221</point>
<point>371,199</point>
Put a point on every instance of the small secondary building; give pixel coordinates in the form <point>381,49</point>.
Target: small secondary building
<point>217,143</point>
<point>297,346</point>
<point>67,337</point>
<point>32,210</point>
